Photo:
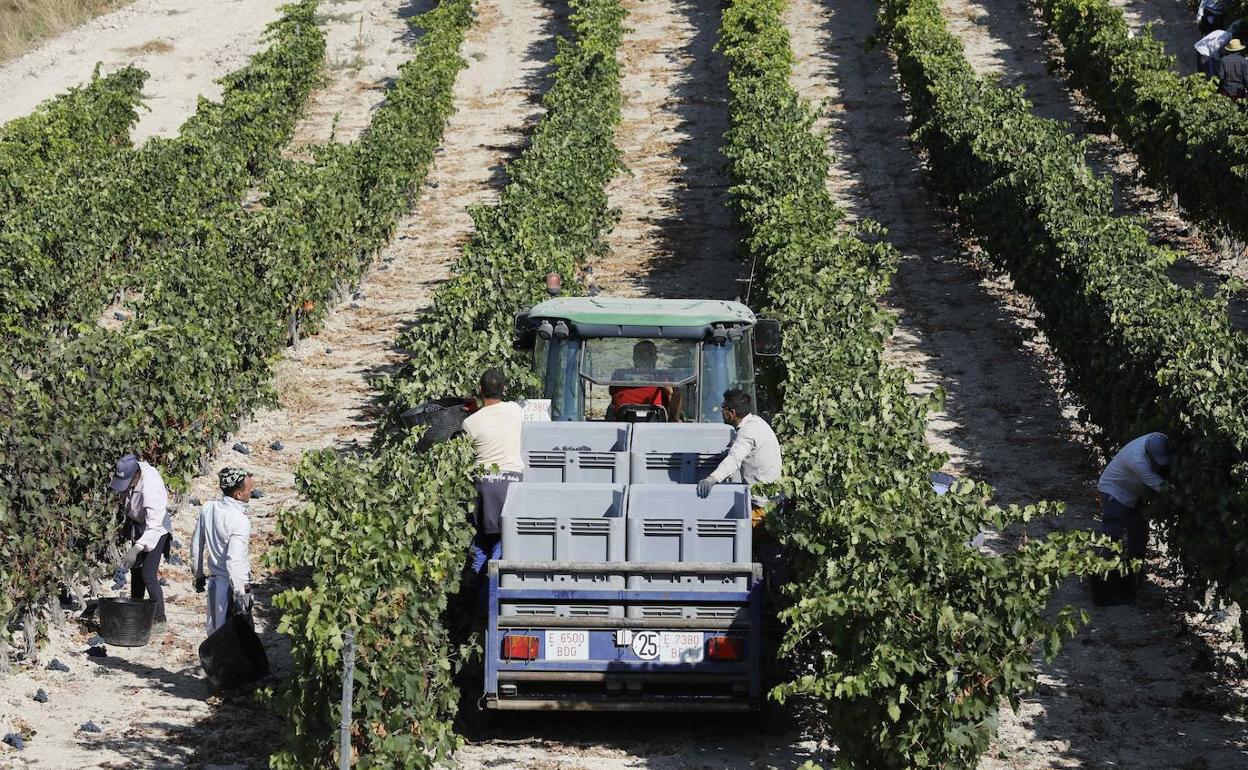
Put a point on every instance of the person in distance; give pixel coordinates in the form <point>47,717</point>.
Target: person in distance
<point>221,549</point>
<point>146,503</point>
<point>755,450</point>
<point>495,432</point>
<point>1233,71</point>
<point>1141,466</point>
<point>554,284</point>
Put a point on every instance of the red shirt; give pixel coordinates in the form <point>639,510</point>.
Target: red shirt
<point>640,394</point>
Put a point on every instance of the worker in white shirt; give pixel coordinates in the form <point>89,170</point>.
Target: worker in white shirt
<point>220,549</point>
<point>495,431</point>
<point>146,503</point>
<point>755,450</point>
<point>1140,466</point>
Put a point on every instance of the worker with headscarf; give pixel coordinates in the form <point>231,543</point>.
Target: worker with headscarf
<point>220,549</point>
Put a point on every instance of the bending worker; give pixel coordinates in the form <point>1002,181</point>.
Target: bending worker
<point>220,549</point>
<point>755,450</point>
<point>1140,466</point>
<point>495,432</point>
<point>151,528</point>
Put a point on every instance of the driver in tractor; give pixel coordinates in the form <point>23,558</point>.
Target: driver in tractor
<point>645,370</point>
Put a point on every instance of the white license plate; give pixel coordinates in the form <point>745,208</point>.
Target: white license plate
<point>680,647</point>
<point>567,645</point>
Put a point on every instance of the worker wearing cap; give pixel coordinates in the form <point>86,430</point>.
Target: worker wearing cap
<point>146,503</point>
<point>1140,466</point>
<point>755,451</point>
<point>220,549</point>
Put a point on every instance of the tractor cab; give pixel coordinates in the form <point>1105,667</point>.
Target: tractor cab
<point>643,360</point>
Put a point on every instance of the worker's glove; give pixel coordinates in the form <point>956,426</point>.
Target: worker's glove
<point>201,581</point>
<point>704,487</point>
<point>243,602</point>
<point>130,557</point>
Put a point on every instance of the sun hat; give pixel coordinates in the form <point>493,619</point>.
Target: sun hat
<point>230,477</point>
<point>1234,46</point>
<point>127,466</point>
<point>1157,447</point>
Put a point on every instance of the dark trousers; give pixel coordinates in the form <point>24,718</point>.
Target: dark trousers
<point>144,577</point>
<point>1120,522</point>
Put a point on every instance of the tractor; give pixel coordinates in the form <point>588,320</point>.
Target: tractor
<point>618,587</point>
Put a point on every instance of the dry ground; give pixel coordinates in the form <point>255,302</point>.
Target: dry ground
<point>23,23</point>
<point>185,45</point>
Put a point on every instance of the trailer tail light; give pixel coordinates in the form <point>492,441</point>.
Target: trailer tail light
<point>520,647</point>
<point>725,648</point>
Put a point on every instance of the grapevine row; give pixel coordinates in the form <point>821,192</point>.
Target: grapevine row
<point>1188,138</point>
<point>905,636</point>
<point>386,535</point>
<point>196,358</point>
<point>81,126</point>
<point>76,245</point>
<point>1142,353</point>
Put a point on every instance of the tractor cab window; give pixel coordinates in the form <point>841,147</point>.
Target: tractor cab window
<point>730,365</point>
<point>622,370</point>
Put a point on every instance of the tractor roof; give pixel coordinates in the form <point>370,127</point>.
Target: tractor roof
<point>620,311</point>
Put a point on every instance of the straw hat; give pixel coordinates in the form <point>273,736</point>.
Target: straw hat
<point>1234,46</point>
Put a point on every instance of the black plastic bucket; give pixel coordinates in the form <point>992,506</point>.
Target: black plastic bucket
<point>445,418</point>
<point>126,622</point>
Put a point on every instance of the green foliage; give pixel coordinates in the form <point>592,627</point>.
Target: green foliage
<point>387,535</point>
<point>77,128</point>
<point>194,361</point>
<point>86,237</point>
<point>904,636</point>
<point>1142,353</point>
<point>1189,139</point>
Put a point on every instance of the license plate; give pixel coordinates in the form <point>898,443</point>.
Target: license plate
<point>680,647</point>
<point>567,645</point>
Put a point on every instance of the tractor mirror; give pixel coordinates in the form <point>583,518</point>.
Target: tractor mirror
<point>767,337</point>
<point>523,336</point>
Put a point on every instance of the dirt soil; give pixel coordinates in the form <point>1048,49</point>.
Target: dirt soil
<point>366,41</point>
<point>152,704</point>
<point>185,45</point>
<point>1142,686</point>
<point>676,237</point>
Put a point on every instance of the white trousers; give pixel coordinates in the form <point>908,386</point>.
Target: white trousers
<point>219,595</point>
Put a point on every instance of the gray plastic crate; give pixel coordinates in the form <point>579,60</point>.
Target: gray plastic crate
<point>575,452</point>
<point>575,436</point>
<point>678,453</point>
<point>563,522</point>
<point>670,523</point>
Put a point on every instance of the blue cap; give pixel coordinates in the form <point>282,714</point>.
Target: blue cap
<point>1157,447</point>
<point>126,468</point>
